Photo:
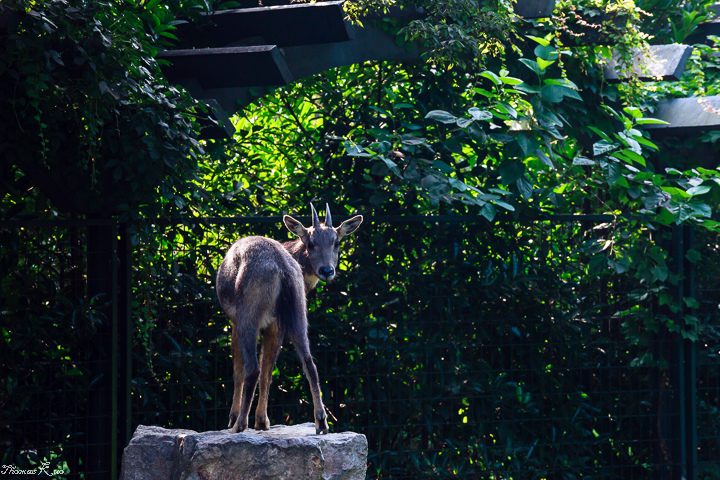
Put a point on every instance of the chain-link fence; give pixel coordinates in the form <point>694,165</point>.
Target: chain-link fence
<point>460,349</point>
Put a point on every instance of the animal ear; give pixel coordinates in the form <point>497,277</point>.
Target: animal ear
<point>295,227</point>
<point>349,226</point>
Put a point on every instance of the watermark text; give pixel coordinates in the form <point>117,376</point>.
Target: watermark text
<point>43,469</point>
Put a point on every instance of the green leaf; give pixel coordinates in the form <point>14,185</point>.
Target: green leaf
<point>583,161</point>
<point>524,87</point>
<point>464,122</point>
<point>683,211</point>
<point>693,256</point>
<point>691,303</point>
<point>532,65</point>
<point>646,142</point>
<point>511,171</point>
<point>602,147</point>
<point>544,158</point>
<point>443,167</point>
<point>488,211</point>
<point>543,42</point>
<point>527,143</point>
<point>441,116</point>
<point>504,205</point>
<point>491,76</point>
<point>660,273</point>
<point>355,150</point>
<point>651,121</point>
<point>457,184</point>
<point>511,80</point>
<point>632,156</point>
<point>479,115</point>
<point>548,53</point>
<point>600,133</point>
<point>614,173</point>
<point>556,93</point>
<point>525,186</point>
<point>675,192</point>
<point>506,108</point>
<point>477,134</point>
<point>544,64</point>
<point>633,112</point>
<point>699,190</point>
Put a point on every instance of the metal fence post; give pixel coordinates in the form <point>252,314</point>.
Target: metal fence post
<point>102,421</point>
<point>124,339</point>
<point>684,354</point>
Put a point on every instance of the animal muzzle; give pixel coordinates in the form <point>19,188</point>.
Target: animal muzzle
<point>326,273</point>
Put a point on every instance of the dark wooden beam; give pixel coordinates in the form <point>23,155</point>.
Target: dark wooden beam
<point>685,116</point>
<point>534,8</point>
<point>9,19</point>
<point>227,67</point>
<point>660,62</point>
<point>226,75</point>
<point>709,28</point>
<point>283,25</point>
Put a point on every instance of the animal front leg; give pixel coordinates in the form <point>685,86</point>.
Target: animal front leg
<point>272,342</point>
<point>303,350</point>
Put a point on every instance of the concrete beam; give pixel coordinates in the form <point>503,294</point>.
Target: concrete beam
<point>283,25</point>
<point>687,116</point>
<point>227,67</point>
<point>660,62</point>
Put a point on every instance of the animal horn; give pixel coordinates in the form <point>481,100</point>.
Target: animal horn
<point>315,218</point>
<point>328,218</point>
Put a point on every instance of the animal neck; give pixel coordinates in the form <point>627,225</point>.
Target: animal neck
<point>298,251</point>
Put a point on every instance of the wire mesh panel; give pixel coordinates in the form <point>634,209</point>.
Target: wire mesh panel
<point>50,372</point>
<point>708,361</point>
<point>459,350</point>
<point>182,368</point>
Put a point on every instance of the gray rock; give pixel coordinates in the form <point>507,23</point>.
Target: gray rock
<point>281,453</point>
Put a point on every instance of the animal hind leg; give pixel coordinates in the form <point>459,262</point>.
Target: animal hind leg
<point>302,346</point>
<point>247,345</point>
<point>238,376</point>
<point>272,343</point>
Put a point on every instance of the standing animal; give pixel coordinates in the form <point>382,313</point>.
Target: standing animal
<point>261,285</point>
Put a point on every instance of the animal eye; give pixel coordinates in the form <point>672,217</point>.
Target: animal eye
<point>310,245</point>
<point>337,243</point>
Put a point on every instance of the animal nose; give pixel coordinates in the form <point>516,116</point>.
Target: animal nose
<point>327,272</point>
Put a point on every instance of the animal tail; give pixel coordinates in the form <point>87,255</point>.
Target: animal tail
<point>291,308</point>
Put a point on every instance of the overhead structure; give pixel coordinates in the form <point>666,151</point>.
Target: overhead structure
<point>658,62</point>
<point>232,56</point>
<point>229,58</point>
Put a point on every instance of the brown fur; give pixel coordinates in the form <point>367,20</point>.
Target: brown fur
<point>261,286</point>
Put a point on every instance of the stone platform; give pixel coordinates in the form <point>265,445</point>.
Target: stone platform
<point>281,453</point>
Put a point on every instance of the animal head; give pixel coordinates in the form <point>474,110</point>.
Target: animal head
<point>322,241</point>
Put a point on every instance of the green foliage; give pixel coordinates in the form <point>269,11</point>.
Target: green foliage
<point>89,104</point>
<point>45,328</point>
<point>459,349</point>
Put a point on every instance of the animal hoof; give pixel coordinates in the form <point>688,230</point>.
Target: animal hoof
<point>233,419</point>
<point>321,427</point>
<point>239,427</point>
<point>262,424</point>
